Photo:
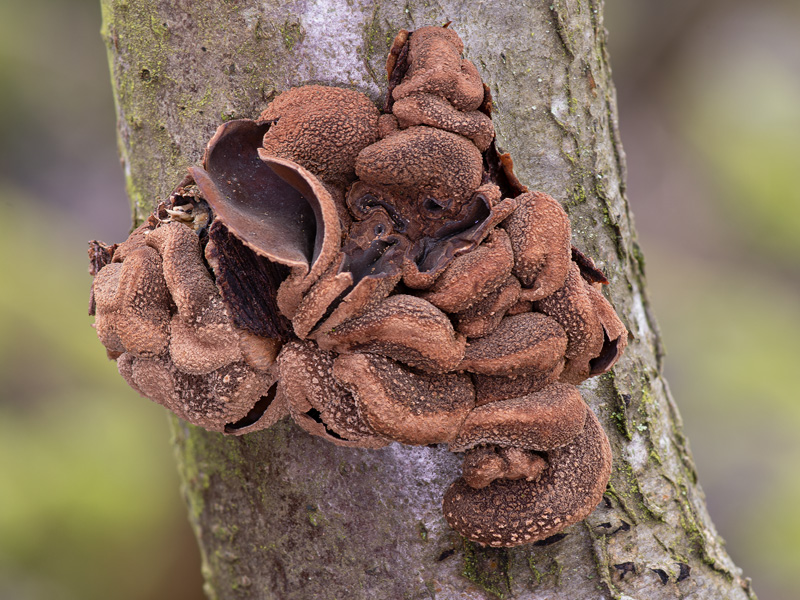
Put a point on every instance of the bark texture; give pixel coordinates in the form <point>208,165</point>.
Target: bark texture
<point>280,514</point>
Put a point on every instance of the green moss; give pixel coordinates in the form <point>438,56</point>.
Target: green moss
<point>292,33</point>
<point>693,533</point>
<point>622,424</point>
<point>374,35</point>
<point>137,33</point>
<point>655,456</point>
<point>487,568</point>
<point>554,570</point>
<point>140,206</point>
<point>647,395</point>
<point>195,479</point>
<point>624,487</point>
<point>573,105</point>
<point>158,28</point>
<point>191,105</point>
<point>378,40</point>
<point>315,517</point>
<point>537,574</point>
<point>638,255</point>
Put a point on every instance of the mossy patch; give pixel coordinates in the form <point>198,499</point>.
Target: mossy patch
<point>292,33</point>
<point>487,568</point>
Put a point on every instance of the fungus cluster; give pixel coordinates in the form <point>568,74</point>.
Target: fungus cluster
<point>379,276</point>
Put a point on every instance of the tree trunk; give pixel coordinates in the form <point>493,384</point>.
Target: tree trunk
<point>282,514</point>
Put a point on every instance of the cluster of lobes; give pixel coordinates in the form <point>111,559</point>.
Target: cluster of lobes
<point>380,277</point>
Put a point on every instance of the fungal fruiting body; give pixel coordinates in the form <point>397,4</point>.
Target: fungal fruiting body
<point>379,276</point>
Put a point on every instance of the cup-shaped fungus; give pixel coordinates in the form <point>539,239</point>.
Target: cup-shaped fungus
<point>379,278</point>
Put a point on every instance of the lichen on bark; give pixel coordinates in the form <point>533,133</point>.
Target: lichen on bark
<point>279,514</point>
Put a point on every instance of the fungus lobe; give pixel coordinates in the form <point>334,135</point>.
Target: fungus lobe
<point>377,278</point>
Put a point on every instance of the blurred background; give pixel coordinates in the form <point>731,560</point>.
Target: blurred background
<point>709,98</point>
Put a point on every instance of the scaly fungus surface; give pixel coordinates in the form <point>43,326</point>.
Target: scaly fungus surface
<point>378,276</point>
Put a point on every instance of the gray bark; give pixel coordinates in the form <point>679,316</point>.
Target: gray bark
<point>280,514</point>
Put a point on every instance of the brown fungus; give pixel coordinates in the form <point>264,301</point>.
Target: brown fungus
<point>540,235</point>
<point>589,270</point>
<point>547,419</point>
<point>474,275</point>
<point>435,111</point>
<point>520,306</point>
<point>514,512</point>
<point>316,301</point>
<point>160,313</point>
<point>402,405</point>
<point>258,352</point>
<point>572,307</point>
<point>372,265</point>
<point>274,206</point>
<point>364,295</point>
<point>232,399</point>
<point>436,67</point>
<point>615,335</point>
<point>483,317</point>
<point>378,277</point>
<point>491,388</point>
<point>430,254</point>
<point>132,305</point>
<point>322,128</point>
<point>202,337</point>
<point>319,403</point>
<point>100,255</point>
<point>527,343</point>
<point>421,162</point>
<point>485,464</point>
<point>405,328</point>
<point>248,284</point>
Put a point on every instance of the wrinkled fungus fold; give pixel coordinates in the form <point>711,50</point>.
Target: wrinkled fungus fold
<point>378,277</point>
